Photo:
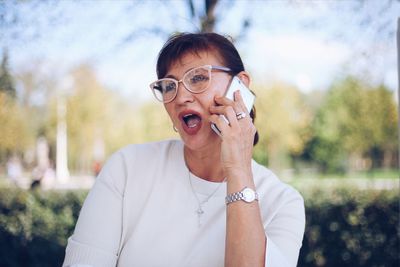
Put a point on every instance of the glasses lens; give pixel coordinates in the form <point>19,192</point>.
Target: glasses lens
<point>198,79</point>
<point>164,90</point>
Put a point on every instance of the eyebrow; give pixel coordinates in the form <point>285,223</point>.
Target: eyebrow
<point>174,77</point>
<point>171,76</point>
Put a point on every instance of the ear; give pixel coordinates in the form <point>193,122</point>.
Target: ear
<point>244,77</point>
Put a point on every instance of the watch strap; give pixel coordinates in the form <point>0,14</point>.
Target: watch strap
<point>240,196</point>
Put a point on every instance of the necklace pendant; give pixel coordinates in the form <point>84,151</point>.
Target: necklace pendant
<point>199,211</point>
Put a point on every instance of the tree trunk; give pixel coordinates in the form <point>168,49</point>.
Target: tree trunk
<point>387,159</point>
<point>208,20</point>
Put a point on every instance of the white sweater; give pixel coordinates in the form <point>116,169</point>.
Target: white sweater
<point>141,212</point>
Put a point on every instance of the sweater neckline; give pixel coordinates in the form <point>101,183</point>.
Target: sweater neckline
<point>200,185</point>
<point>205,187</point>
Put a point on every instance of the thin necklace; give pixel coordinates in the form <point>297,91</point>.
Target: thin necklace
<point>199,211</point>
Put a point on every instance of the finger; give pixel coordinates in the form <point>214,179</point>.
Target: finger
<point>239,100</point>
<point>219,109</point>
<point>243,108</point>
<point>231,115</point>
<point>228,111</point>
<point>223,101</point>
<point>221,122</point>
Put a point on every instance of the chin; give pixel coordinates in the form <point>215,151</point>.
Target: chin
<point>200,141</point>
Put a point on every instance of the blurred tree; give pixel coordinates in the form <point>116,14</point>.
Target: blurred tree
<point>14,133</point>
<point>36,88</point>
<point>30,21</point>
<point>87,107</point>
<point>35,83</point>
<point>355,121</point>
<point>100,119</point>
<point>155,122</point>
<point>283,122</point>
<point>121,124</point>
<point>208,18</point>
<point>96,116</point>
<point>207,21</point>
<point>6,80</point>
<point>201,16</point>
<point>382,121</point>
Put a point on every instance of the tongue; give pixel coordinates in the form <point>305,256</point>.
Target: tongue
<point>193,121</point>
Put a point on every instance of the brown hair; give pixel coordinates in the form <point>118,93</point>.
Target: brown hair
<point>180,44</point>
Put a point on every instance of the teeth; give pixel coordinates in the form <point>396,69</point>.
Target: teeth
<point>186,118</point>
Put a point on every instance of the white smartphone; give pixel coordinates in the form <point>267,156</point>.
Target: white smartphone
<point>247,95</point>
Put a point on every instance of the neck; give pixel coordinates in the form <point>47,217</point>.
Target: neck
<point>205,163</point>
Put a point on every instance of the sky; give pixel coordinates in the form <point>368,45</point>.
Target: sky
<point>307,44</point>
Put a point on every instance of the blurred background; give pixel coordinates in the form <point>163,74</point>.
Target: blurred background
<point>74,79</point>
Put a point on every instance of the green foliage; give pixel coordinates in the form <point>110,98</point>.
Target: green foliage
<point>344,227</point>
<point>14,133</point>
<point>282,122</point>
<point>351,123</point>
<point>355,120</point>
<point>88,107</point>
<point>155,123</point>
<point>6,80</point>
<point>351,228</point>
<point>34,226</point>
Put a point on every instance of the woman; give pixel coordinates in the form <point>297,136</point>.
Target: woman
<point>201,201</point>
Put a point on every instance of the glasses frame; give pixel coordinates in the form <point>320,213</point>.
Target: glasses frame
<point>210,69</point>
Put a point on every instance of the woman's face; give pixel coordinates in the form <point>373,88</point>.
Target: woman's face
<point>189,112</point>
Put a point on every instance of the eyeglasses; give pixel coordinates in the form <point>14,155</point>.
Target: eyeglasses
<point>196,81</point>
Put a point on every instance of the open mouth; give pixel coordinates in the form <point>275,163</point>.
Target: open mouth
<point>191,120</point>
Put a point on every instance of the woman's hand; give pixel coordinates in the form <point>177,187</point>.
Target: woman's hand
<point>245,237</point>
<point>237,136</point>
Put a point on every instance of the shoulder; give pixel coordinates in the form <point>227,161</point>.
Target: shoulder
<point>143,155</point>
<point>274,190</point>
<point>135,159</point>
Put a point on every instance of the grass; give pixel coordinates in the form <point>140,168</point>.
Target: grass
<point>313,174</point>
<point>310,179</point>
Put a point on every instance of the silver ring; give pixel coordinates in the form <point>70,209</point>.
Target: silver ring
<point>240,115</point>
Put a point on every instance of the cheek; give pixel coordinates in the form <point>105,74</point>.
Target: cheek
<point>207,98</point>
<point>219,86</point>
<point>215,89</point>
<point>170,111</point>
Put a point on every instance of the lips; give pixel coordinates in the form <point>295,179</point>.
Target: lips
<point>191,121</point>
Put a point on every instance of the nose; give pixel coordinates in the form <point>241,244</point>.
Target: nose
<point>183,95</point>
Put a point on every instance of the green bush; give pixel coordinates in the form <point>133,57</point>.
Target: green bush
<point>34,225</point>
<point>351,228</point>
<point>344,227</point>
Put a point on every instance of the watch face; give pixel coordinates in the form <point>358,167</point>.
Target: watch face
<point>248,195</point>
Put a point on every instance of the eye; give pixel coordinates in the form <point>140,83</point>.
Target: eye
<point>198,78</point>
<point>169,87</point>
<point>157,87</point>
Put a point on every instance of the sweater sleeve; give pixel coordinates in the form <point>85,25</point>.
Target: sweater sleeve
<point>285,232</point>
<point>97,234</point>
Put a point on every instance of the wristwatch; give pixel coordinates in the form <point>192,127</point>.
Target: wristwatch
<point>248,195</point>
